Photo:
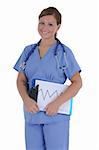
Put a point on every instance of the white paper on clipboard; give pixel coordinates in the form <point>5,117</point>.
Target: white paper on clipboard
<point>48,92</point>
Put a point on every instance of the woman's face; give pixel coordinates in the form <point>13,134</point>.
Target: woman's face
<point>47,27</point>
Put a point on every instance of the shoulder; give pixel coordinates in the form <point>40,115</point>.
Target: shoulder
<point>67,49</point>
<point>64,48</point>
<point>28,48</point>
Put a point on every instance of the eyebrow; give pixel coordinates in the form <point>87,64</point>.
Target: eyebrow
<point>51,22</point>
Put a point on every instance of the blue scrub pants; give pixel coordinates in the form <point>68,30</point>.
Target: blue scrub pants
<point>52,136</point>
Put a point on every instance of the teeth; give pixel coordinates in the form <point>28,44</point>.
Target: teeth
<point>44,32</point>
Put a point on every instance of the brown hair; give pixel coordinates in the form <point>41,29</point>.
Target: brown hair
<point>51,11</point>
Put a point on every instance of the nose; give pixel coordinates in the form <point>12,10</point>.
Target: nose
<point>45,28</point>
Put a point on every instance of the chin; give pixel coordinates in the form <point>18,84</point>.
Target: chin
<point>45,37</point>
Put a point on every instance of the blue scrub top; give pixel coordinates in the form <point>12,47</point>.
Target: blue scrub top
<point>47,69</point>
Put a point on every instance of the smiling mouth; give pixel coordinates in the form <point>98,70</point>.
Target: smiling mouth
<point>45,32</point>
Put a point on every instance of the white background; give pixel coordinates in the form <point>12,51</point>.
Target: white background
<point>79,31</point>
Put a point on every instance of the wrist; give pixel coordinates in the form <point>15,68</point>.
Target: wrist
<point>26,99</point>
<point>59,101</point>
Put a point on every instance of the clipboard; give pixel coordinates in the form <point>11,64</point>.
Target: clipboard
<point>48,92</point>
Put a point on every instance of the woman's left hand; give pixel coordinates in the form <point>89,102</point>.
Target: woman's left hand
<point>52,108</point>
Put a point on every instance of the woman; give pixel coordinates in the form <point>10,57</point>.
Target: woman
<point>47,130</point>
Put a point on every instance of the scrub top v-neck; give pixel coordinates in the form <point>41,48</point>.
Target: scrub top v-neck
<point>46,69</point>
<point>46,53</point>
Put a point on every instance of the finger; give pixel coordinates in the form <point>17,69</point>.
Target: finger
<point>48,112</point>
<point>36,108</point>
<point>51,113</point>
<point>46,107</point>
<point>34,111</point>
<point>34,102</point>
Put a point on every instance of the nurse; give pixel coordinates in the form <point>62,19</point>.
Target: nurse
<point>52,61</point>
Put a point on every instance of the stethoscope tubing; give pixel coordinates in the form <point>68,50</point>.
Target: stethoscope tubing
<point>23,65</point>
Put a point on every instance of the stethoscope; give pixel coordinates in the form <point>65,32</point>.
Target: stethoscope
<point>23,65</point>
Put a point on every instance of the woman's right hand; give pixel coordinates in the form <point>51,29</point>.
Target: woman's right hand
<point>31,105</point>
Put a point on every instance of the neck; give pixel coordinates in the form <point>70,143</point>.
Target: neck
<point>47,42</point>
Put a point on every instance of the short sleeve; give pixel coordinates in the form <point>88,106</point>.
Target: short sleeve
<point>20,64</point>
<point>72,64</point>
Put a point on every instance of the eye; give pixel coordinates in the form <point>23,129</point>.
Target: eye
<point>41,23</point>
<point>50,24</point>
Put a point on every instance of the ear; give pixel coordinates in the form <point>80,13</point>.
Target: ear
<point>58,26</point>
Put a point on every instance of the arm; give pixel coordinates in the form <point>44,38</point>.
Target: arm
<point>72,90</point>
<point>30,104</point>
<point>76,84</point>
